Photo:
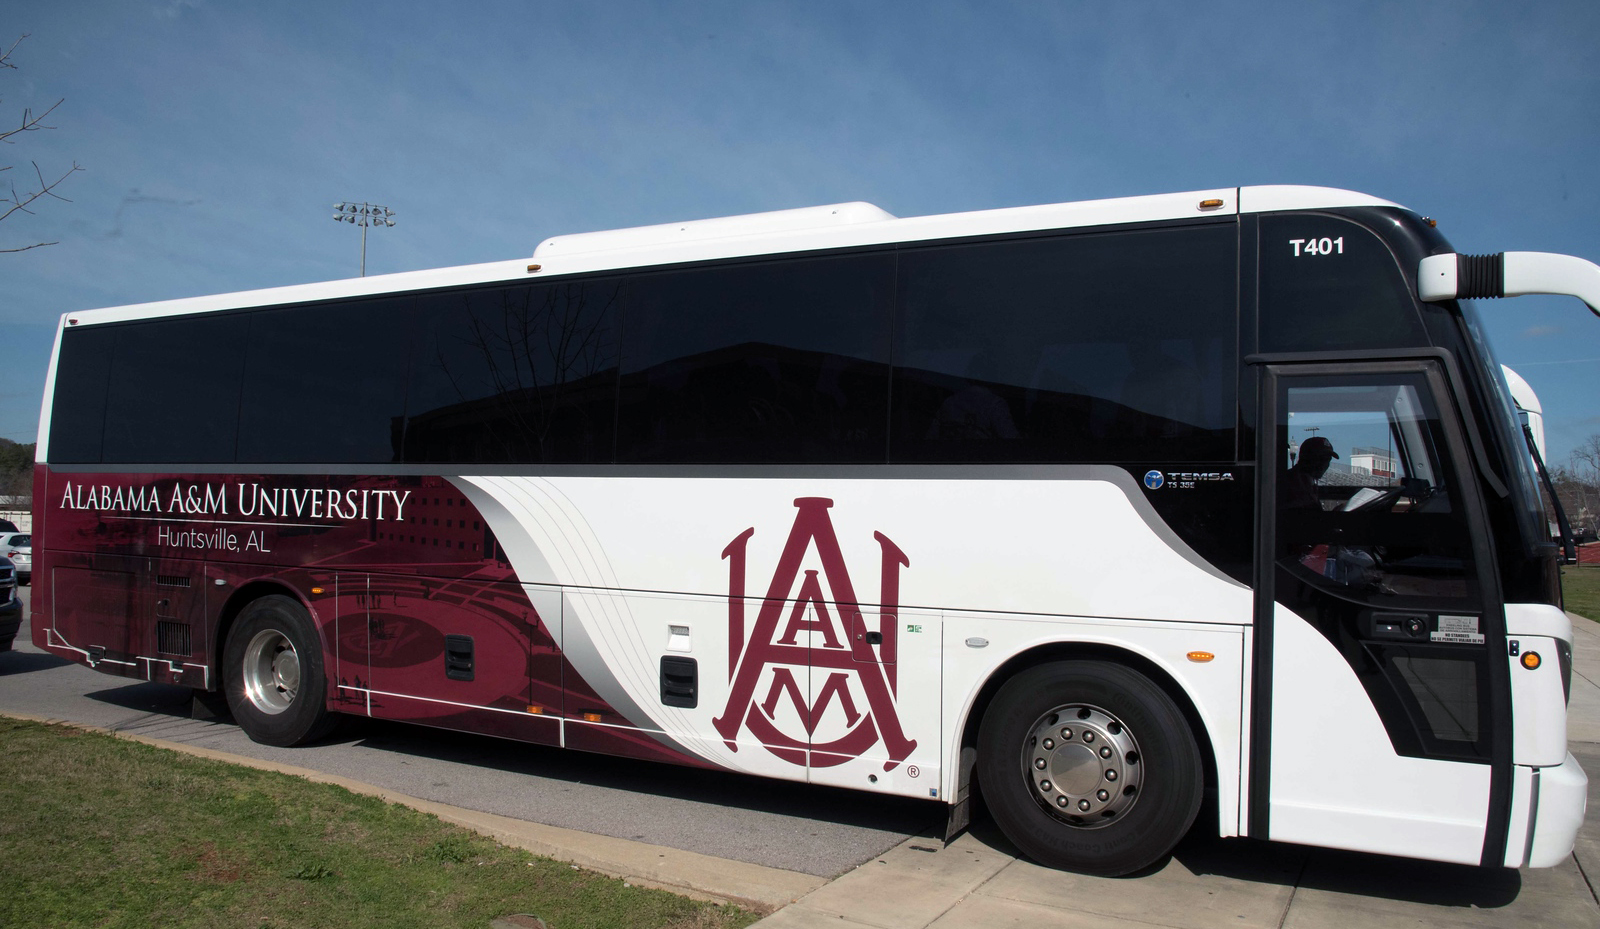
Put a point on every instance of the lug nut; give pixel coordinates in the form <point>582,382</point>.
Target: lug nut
<point>1111,774</point>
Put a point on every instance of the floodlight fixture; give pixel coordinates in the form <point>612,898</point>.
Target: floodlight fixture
<point>363,215</point>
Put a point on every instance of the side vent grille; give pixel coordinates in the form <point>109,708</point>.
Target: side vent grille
<point>173,639</point>
<point>171,580</point>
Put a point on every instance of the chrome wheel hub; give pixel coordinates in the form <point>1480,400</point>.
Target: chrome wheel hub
<point>1083,764</point>
<point>271,672</point>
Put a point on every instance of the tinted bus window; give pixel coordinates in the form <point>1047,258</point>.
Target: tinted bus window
<point>174,390</point>
<point>781,361</point>
<point>517,374</point>
<point>1328,284</point>
<point>1082,348</point>
<point>78,411</point>
<point>326,383</point>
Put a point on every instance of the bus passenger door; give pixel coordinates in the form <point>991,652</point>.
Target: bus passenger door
<point>1373,723</point>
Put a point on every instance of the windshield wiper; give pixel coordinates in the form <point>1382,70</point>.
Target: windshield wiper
<point>1569,549</point>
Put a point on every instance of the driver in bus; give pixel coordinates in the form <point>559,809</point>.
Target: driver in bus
<point>1345,564</point>
<point>1300,484</point>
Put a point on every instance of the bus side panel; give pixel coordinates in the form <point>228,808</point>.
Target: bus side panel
<point>93,613</point>
<point>823,659</point>
<point>460,654</point>
<point>613,723</point>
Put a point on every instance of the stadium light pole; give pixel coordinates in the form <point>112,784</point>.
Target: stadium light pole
<point>363,215</point>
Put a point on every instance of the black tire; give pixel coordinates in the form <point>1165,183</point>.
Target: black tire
<point>1128,775</point>
<point>272,671</point>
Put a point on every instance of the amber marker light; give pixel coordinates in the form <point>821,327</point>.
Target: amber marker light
<point>1200,656</point>
<point>1531,660</point>
<point>316,590</point>
<point>536,710</point>
<point>533,268</point>
<point>591,716</point>
<point>1211,204</point>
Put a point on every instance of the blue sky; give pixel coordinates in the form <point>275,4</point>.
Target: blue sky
<point>215,137</point>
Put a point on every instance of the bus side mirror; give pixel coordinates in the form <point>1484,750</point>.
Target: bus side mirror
<point>1508,274</point>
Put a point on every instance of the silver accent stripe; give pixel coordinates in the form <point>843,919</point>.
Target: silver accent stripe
<point>1533,818</point>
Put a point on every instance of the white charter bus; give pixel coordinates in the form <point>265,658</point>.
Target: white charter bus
<point>1096,509</point>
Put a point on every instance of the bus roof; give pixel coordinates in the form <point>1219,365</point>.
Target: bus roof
<point>840,225</point>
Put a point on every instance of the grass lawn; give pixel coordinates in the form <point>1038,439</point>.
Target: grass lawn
<point>103,832</point>
<point>1580,587</point>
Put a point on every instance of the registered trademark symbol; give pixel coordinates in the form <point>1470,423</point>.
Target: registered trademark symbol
<point>913,770</point>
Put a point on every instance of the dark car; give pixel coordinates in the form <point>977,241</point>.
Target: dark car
<point>10,606</point>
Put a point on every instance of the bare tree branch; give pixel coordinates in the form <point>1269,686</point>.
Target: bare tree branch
<point>30,122</point>
<point>21,200</point>
<point>46,188</point>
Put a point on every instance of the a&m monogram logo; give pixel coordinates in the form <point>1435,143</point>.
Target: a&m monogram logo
<point>803,629</point>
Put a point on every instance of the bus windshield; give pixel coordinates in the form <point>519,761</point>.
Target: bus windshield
<point>1524,484</point>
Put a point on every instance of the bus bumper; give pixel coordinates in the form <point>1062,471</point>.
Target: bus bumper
<point>1547,809</point>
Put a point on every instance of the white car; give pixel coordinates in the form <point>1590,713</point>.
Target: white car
<point>18,546</point>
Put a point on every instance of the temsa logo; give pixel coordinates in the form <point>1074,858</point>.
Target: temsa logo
<point>839,652</point>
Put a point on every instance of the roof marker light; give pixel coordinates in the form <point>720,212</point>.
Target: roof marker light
<point>1211,204</point>
<point>533,268</point>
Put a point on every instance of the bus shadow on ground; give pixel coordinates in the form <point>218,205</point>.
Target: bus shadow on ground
<point>719,788</point>
<point>163,699</point>
<point>1353,873</point>
<point>17,662</point>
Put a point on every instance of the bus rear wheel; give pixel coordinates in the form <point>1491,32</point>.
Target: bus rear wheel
<point>1089,766</point>
<point>272,669</point>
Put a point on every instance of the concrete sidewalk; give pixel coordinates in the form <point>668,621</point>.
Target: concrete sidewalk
<point>979,880</point>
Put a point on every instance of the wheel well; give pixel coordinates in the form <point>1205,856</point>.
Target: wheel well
<point>1065,651</point>
<point>237,601</point>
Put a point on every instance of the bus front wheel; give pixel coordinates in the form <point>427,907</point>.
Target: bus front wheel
<point>1089,766</point>
<point>272,669</point>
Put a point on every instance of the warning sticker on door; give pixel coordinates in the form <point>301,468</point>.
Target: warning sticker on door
<point>1462,630</point>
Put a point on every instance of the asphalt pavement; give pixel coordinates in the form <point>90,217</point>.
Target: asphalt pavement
<point>822,857</point>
